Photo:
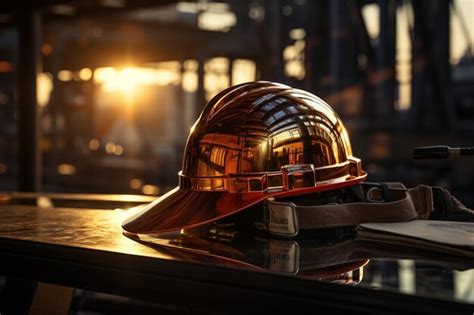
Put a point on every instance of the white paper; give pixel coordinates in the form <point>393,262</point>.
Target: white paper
<point>444,232</point>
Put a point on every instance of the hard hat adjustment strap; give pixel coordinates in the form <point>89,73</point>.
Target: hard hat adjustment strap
<point>289,177</point>
<point>288,219</point>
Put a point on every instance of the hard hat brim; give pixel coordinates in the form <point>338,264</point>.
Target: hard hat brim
<point>185,208</point>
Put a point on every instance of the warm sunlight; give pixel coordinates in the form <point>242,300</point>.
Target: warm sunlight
<point>129,79</point>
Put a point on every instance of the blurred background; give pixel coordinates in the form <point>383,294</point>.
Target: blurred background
<point>99,95</point>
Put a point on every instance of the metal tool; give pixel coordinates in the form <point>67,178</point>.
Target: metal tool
<point>440,152</point>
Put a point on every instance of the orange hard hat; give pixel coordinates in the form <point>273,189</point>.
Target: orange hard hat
<point>252,142</point>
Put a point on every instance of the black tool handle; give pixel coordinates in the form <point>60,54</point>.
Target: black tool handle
<point>440,152</point>
<point>434,152</point>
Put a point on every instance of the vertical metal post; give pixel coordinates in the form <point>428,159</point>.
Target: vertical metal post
<point>28,65</point>
<point>274,65</point>
<point>334,45</point>
<point>317,51</point>
<point>430,66</point>
<point>441,65</point>
<point>385,60</point>
<point>231,70</point>
<point>201,91</point>
<point>180,109</point>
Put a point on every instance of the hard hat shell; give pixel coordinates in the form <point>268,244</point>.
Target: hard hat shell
<point>253,141</point>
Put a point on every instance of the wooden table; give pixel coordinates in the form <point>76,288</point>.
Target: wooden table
<point>85,248</point>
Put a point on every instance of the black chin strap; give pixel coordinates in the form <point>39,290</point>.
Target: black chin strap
<point>363,203</point>
<point>289,218</point>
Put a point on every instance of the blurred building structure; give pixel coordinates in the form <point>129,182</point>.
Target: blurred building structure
<point>119,83</point>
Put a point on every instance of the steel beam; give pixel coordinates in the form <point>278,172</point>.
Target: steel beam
<point>28,65</point>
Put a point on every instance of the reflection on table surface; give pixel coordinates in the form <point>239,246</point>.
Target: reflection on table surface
<point>332,257</point>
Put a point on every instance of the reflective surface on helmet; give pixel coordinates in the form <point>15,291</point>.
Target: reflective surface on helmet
<point>253,141</point>
<point>249,136</point>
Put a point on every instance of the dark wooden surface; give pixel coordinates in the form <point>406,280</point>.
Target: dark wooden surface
<point>82,228</point>
<point>85,248</point>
